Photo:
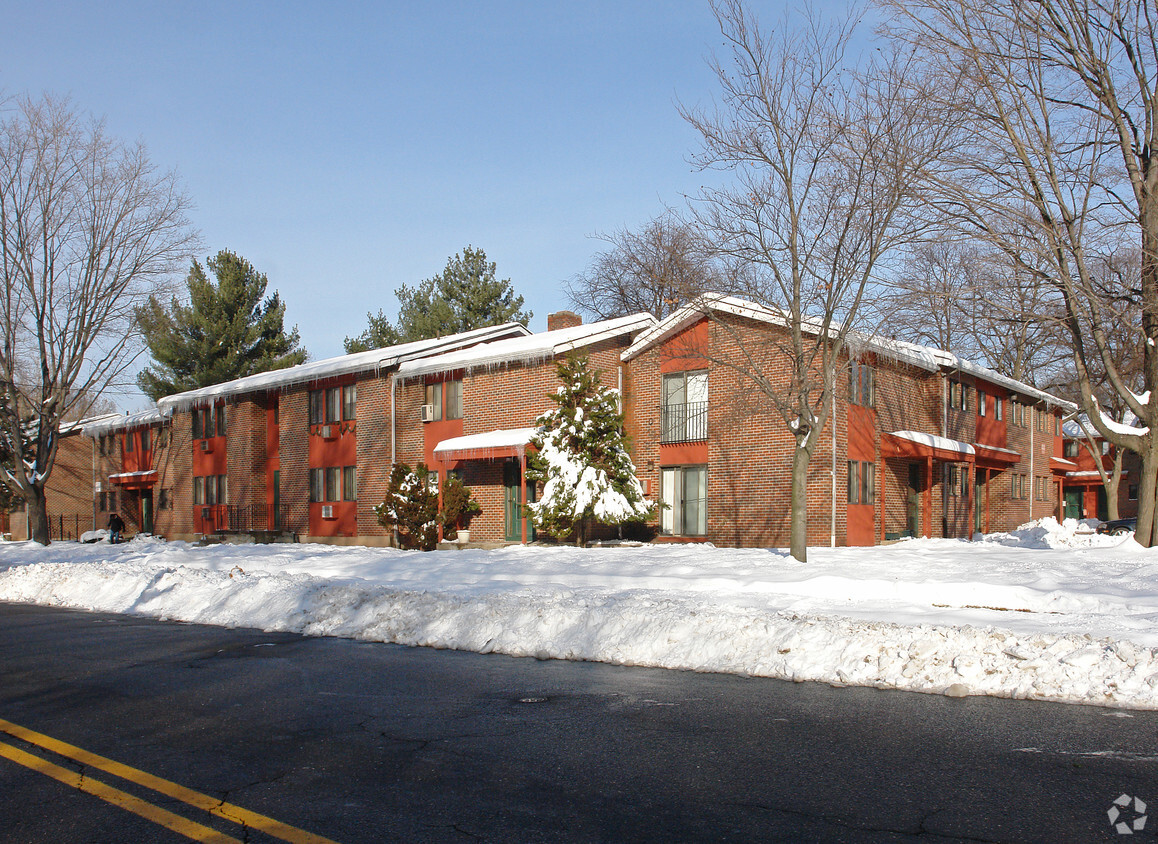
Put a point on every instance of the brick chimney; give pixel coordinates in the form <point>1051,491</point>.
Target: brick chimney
<point>563,319</point>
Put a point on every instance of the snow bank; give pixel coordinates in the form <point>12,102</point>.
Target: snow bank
<point>1047,612</point>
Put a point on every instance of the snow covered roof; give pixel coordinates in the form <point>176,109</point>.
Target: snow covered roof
<point>534,348</point>
<point>81,424</point>
<point>933,441</point>
<point>923,357</point>
<point>374,360</point>
<point>116,422</point>
<point>484,445</point>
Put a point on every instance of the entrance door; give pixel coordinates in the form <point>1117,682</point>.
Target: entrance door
<point>512,482</point>
<point>147,511</point>
<point>1073,498</point>
<point>913,501</point>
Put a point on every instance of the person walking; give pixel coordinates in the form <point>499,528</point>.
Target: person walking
<point>116,527</point>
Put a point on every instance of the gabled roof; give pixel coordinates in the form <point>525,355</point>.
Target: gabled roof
<point>923,357</point>
<point>534,348</point>
<point>374,360</point>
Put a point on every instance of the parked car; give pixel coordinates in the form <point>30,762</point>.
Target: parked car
<point>1119,527</point>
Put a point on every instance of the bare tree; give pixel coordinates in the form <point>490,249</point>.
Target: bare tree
<point>931,300</point>
<point>88,229</point>
<point>1062,97</point>
<point>824,159</point>
<point>657,269</point>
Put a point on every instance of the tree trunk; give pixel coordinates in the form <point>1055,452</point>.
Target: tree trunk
<point>38,529</point>
<point>798,545</point>
<point>1146,489</point>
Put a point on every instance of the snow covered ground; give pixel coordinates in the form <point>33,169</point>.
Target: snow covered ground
<point>1047,612</point>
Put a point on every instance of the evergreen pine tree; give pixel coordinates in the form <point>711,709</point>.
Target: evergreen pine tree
<point>581,459</point>
<point>226,331</point>
<point>410,508</point>
<point>465,295</point>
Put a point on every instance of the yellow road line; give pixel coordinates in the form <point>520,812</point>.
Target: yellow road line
<point>212,805</point>
<point>128,802</point>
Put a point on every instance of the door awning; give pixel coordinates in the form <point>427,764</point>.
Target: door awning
<point>922,445</point>
<point>135,480</point>
<point>508,442</point>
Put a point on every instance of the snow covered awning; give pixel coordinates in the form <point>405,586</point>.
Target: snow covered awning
<point>919,444</point>
<point>509,442</point>
<point>991,454</point>
<point>136,480</point>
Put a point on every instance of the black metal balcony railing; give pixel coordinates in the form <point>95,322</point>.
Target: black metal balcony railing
<point>241,518</point>
<point>681,423</point>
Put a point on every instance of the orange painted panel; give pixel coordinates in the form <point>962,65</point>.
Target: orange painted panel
<point>991,431</point>
<point>686,350</point>
<point>683,454</point>
<point>342,450</point>
<point>435,432</point>
<point>862,433</point>
<point>860,525</point>
<point>344,523</point>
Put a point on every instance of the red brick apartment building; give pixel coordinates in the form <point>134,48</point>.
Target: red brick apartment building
<point>1083,493</point>
<point>925,444</point>
<point>921,443</point>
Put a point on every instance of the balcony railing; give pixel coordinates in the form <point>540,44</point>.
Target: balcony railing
<point>241,518</point>
<point>682,423</point>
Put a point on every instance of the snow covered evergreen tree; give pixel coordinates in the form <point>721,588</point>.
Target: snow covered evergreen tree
<point>411,508</point>
<point>581,460</point>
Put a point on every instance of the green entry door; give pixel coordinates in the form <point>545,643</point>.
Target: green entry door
<point>514,491</point>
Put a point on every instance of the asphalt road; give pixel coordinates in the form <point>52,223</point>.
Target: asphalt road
<point>362,742</point>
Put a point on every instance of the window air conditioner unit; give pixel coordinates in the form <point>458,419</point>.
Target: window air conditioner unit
<point>327,511</point>
<point>205,512</point>
<point>427,413</point>
<point>327,432</point>
<point>207,445</point>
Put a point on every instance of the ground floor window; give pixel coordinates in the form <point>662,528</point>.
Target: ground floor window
<point>333,483</point>
<point>684,494</point>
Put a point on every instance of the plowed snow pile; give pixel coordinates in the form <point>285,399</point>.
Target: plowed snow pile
<point>1048,611</point>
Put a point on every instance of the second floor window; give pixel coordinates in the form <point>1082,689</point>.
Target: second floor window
<point>328,406</point>
<point>860,383</point>
<point>454,399</point>
<point>434,399</point>
<point>684,412</point>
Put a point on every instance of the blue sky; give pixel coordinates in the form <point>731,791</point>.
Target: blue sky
<point>347,148</point>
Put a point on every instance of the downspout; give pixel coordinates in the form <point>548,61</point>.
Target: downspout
<point>1033,446</point>
<point>393,437</point>
<point>94,482</point>
<point>393,419</point>
<point>619,376</point>
<point>832,422</point>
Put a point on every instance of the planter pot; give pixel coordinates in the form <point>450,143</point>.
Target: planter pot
<point>463,536</point>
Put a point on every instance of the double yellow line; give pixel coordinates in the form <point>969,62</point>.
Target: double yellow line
<point>128,802</point>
